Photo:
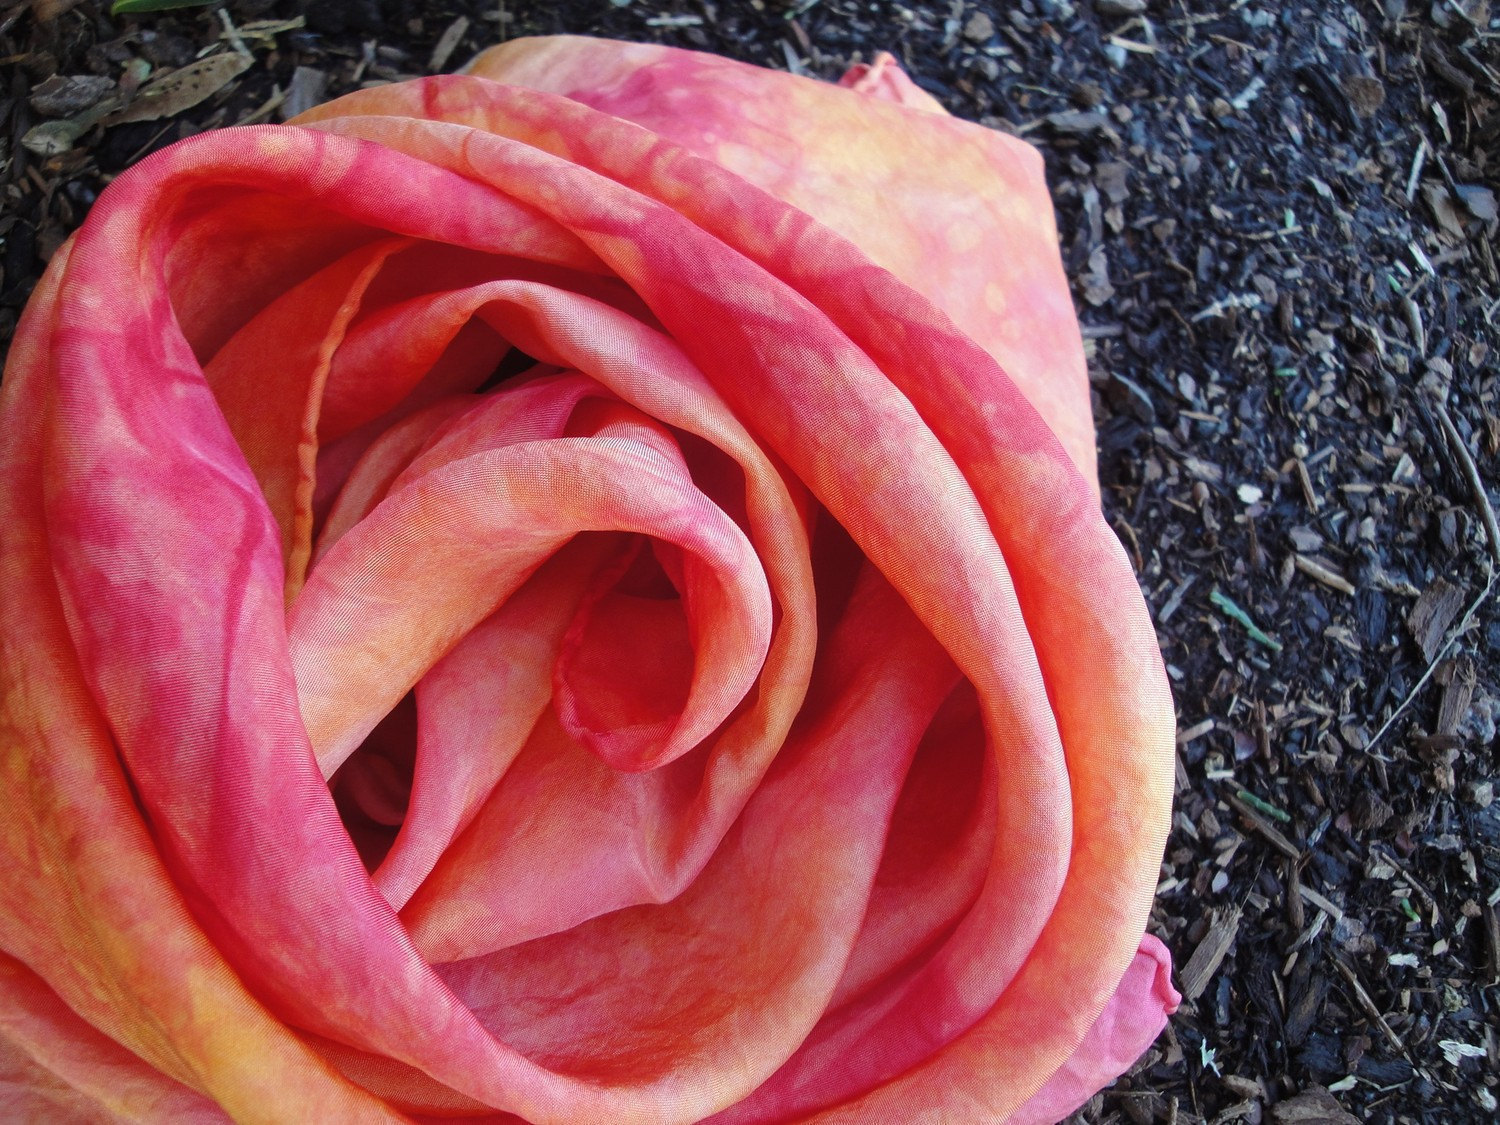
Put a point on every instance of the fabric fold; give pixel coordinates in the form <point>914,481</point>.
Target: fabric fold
<point>571,592</point>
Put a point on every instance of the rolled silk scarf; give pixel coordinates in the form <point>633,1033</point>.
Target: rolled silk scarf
<point>573,592</point>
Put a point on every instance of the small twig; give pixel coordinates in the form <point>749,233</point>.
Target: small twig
<point>1445,171</point>
<point>232,34</point>
<point>1322,902</point>
<point>1478,66</point>
<point>266,108</point>
<point>1324,574</point>
<point>145,148</point>
<point>1458,10</point>
<point>1305,479</point>
<point>1492,940</point>
<point>1458,630</point>
<point>1272,836</point>
<point>1419,158</point>
<point>10,16</point>
<point>1362,998</point>
<point>1416,884</point>
<point>1414,322</point>
<point>1471,474</point>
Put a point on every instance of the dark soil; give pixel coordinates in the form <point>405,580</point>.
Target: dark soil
<point>1280,218</point>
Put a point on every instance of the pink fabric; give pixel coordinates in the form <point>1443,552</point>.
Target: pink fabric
<point>1134,1016</point>
<point>884,79</point>
<point>571,592</point>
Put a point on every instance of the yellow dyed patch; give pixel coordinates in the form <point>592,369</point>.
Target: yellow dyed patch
<point>220,1040</point>
<point>964,235</point>
<point>121,227</point>
<point>622,254</point>
<point>1046,473</point>
<point>274,146</point>
<point>995,298</point>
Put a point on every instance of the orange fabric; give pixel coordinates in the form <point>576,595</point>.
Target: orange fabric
<point>570,593</point>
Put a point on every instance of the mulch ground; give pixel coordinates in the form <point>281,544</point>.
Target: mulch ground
<point>1280,219</point>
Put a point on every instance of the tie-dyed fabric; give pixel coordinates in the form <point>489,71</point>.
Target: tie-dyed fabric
<point>571,593</point>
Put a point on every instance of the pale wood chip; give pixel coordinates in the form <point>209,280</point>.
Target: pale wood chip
<point>1320,571</point>
<point>1314,1106</point>
<point>1210,954</point>
<point>1435,610</point>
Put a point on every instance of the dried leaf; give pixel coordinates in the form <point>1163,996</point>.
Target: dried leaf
<point>53,138</point>
<point>45,10</point>
<point>64,95</point>
<point>183,88</point>
<point>129,7</point>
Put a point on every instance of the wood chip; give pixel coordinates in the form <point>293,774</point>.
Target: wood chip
<point>980,28</point>
<point>1294,912</point>
<point>1242,1087</point>
<point>1480,201</point>
<point>304,91</point>
<point>1314,1106</point>
<point>1458,693</point>
<point>1491,941</point>
<point>1305,539</point>
<point>1320,571</point>
<point>1076,122</point>
<point>182,89</point>
<point>1309,990</point>
<point>1437,61</point>
<point>1199,469</point>
<point>1362,998</point>
<point>1210,954</point>
<point>1113,179</point>
<point>1471,475</point>
<point>1196,731</point>
<point>1322,902</point>
<point>1305,480</point>
<point>1444,209</point>
<point>1366,94</point>
<point>1269,831</point>
<point>448,43</point>
<point>1435,610</point>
